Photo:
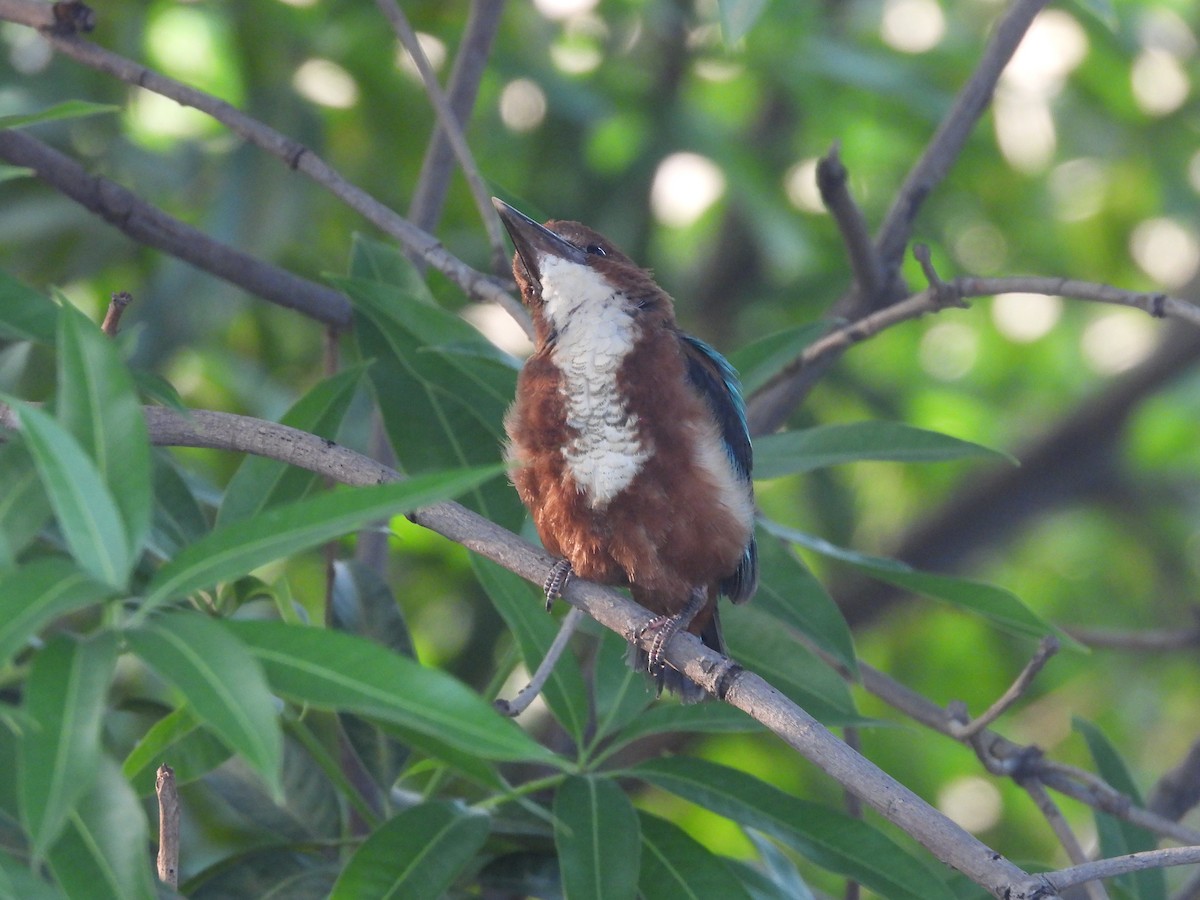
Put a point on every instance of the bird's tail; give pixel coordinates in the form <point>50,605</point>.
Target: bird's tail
<point>676,682</point>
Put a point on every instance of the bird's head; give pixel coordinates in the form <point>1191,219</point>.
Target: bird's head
<point>561,267</point>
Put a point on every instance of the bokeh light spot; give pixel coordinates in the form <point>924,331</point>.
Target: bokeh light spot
<point>1023,318</point>
<point>522,105</point>
<point>685,185</point>
<point>912,26</point>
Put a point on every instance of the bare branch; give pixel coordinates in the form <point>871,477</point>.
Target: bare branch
<point>1119,865</point>
<point>149,225</point>
<point>1047,647</point>
<point>450,127</point>
<point>168,826</point>
<point>1062,831</point>
<point>529,693</point>
<point>1149,641</point>
<point>116,308</point>
<point>832,181</point>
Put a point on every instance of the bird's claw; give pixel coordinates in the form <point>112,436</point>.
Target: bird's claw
<point>664,628</point>
<point>556,581</point>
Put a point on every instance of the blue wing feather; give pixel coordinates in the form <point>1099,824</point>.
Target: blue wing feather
<point>717,381</point>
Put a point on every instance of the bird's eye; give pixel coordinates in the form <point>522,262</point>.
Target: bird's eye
<point>595,250</point>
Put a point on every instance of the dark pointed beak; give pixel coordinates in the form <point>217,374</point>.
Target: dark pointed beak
<point>535,241</point>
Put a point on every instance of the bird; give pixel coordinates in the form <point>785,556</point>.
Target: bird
<point>628,441</point>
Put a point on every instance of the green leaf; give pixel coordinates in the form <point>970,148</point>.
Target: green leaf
<point>831,839</point>
<point>522,607</point>
<point>1001,607</point>
<point>241,547</point>
<point>453,403</point>
<point>335,671</point>
<point>68,109</point>
<point>598,838</point>
<point>16,881</point>
<point>25,314</point>
<point>757,642</point>
<point>1119,837</point>
<point>38,593</point>
<point>85,508</point>
<point>59,756</point>
<point>677,867</point>
<point>415,855</point>
<point>260,483</point>
<point>758,362</point>
<point>101,854</point>
<point>791,452</point>
<point>739,16</point>
<point>179,519</point>
<point>621,693</point>
<point>223,684</point>
<point>24,508</point>
<point>788,591</point>
<point>98,404</point>
<point>180,737</point>
<point>12,173</point>
<point>674,718</point>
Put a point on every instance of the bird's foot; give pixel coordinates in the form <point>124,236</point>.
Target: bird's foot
<point>556,581</point>
<point>666,627</point>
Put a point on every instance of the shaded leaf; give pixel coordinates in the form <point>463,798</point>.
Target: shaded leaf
<point>415,855</point>
<point>221,681</point>
<point>68,109</point>
<point>180,737</point>
<point>59,756</point>
<point>335,671</point>
<point>522,607</point>
<point>831,839</point>
<point>26,314</point>
<point>621,694</point>
<point>178,519</point>
<point>85,508</point>
<point>260,483</point>
<point>677,867</point>
<point>762,359</point>
<point>24,507</point>
<point>674,718</point>
<point>101,854</point>
<point>38,593</point>
<point>791,452</point>
<point>98,404</point>
<point>598,838</point>
<point>240,547</point>
<point>1119,837</point>
<point>16,881</point>
<point>739,16</point>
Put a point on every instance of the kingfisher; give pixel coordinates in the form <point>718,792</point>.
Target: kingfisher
<point>629,441</point>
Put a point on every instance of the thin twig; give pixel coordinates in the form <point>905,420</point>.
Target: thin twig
<point>1120,865</point>
<point>833,183</point>
<point>116,308</point>
<point>1062,831</point>
<point>1150,641</point>
<point>1047,647</point>
<point>149,225</point>
<point>168,826</point>
<point>449,124</point>
<point>518,704</point>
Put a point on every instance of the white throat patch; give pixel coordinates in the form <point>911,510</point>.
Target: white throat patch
<point>595,333</point>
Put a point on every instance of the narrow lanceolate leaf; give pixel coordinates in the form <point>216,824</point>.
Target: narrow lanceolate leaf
<point>598,839</point>
<point>520,604</point>
<point>24,508</point>
<point>1002,607</point>
<point>759,361</point>
<point>260,483</point>
<point>241,547</point>
<point>415,855</point>
<point>334,671</point>
<point>101,854</point>
<point>223,684</point>
<point>1119,837</point>
<point>738,17</point>
<point>68,109</point>
<point>17,881</point>
<point>59,755</point>
<point>98,404</point>
<point>677,867</point>
<point>179,736</point>
<point>831,839</point>
<point>86,511</point>
<point>791,452</point>
<point>38,593</point>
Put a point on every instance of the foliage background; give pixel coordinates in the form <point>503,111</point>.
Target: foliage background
<point>1082,170</point>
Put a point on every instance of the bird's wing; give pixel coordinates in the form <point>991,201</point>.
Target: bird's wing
<point>717,382</point>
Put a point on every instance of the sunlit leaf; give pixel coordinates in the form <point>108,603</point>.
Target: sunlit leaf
<point>791,452</point>
<point>86,510</point>
<point>59,757</point>
<point>222,682</point>
<point>98,404</point>
<point>335,671</point>
<point>522,607</point>
<point>38,593</point>
<point>416,855</point>
<point>831,839</point>
<point>260,483</point>
<point>240,547</point>
<point>598,838</point>
<point>677,867</point>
